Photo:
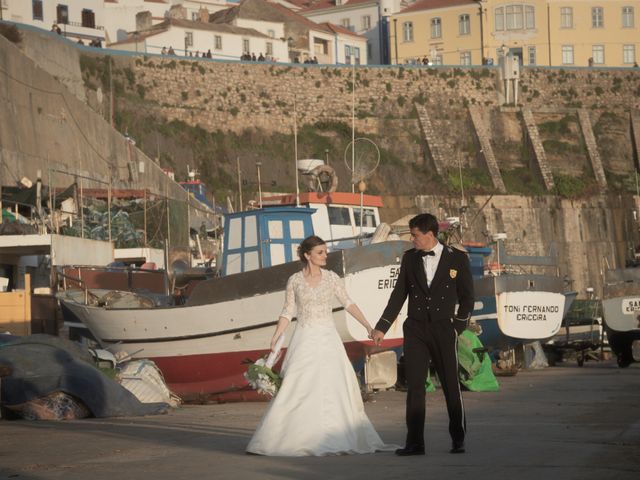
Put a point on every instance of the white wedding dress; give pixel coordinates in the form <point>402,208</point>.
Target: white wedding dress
<point>318,409</point>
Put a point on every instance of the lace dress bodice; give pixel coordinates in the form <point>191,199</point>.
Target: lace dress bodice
<point>313,305</point>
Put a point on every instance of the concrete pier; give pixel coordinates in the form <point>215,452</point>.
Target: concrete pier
<point>561,423</point>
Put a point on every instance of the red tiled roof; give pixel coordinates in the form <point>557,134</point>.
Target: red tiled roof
<point>339,29</point>
<point>164,26</point>
<point>327,4</point>
<point>433,4</point>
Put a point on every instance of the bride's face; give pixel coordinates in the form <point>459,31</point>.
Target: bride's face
<point>317,256</point>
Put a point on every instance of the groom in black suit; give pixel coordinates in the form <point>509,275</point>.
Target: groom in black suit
<point>435,277</point>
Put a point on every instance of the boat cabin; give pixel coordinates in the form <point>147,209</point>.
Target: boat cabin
<point>341,219</point>
<point>264,237</point>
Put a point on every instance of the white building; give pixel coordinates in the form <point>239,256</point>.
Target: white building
<point>368,18</point>
<point>75,19</point>
<point>226,42</point>
<point>329,44</point>
<point>350,48</point>
<point>120,15</point>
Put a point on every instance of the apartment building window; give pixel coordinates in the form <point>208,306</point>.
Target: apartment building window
<point>62,14</point>
<point>269,49</point>
<point>217,42</point>
<point>36,6</point>
<point>529,17</point>
<point>369,51</point>
<point>465,58</point>
<point>627,17</point>
<point>271,33</point>
<point>245,46</point>
<point>88,18</point>
<point>347,54</point>
<point>356,54</point>
<point>188,39</point>
<point>597,53</point>
<point>567,54</point>
<point>345,22</point>
<point>566,17</point>
<point>629,54</point>
<point>436,27</point>
<point>437,60</point>
<point>407,31</point>
<point>532,55</point>
<point>515,17</point>
<point>597,17</point>
<point>366,22</point>
<point>464,24</point>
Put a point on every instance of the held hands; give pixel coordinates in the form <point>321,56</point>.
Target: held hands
<point>377,336</point>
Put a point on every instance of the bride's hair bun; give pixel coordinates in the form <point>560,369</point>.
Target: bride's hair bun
<point>307,245</point>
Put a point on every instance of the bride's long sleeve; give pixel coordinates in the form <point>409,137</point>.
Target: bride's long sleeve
<point>289,308</point>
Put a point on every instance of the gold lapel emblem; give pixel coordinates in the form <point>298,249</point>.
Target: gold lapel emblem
<point>453,273</point>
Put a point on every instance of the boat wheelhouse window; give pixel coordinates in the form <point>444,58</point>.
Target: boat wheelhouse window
<point>339,216</point>
<point>296,229</point>
<point>250,232</point>
<point>235,233</point>
<point>233,264</point>
<point>368,217</point>
<point>251,261</point>
<point>276,250</point>
<point>275,229</point>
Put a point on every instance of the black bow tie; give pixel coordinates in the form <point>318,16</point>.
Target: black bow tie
<point>424,253</point>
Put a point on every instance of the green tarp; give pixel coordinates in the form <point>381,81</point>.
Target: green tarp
<point>475,366</point>
<point>475,370</point>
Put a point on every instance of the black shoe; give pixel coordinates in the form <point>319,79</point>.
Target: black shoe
<point>457,447</point>
<point>410,450</point>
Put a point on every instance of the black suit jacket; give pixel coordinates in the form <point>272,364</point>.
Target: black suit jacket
<point>451,284</point>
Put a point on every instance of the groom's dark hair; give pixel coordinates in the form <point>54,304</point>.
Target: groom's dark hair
<point>425,222</point>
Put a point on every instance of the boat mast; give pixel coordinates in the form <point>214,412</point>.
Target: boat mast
<point>353,126</point>
<point>295,148</point>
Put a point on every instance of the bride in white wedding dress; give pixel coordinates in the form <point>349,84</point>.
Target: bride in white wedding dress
<point>318,409</point>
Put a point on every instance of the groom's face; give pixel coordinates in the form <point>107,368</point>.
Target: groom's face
<point>422,241</point>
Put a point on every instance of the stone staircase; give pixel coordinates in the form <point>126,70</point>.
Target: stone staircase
<point>487,150</point>
<point>436,146</point>
<point>592,148</point>
<point>538,148</point>
<point>635,129</point>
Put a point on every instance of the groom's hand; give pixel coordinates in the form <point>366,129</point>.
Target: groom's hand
<point>377,336</point>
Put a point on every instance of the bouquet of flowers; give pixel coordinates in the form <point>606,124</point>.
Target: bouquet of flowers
<point>260,375</point>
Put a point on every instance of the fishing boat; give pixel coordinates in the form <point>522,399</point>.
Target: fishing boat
<point>200,346</point>
<point>621,311</point>
<point>513,308</point>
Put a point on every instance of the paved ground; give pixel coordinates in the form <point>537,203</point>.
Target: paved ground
<point>561,423</point>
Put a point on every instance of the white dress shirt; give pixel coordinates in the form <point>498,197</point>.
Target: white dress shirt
<point>431,262</point>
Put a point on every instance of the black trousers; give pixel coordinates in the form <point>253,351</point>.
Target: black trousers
<point>424,341</point>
